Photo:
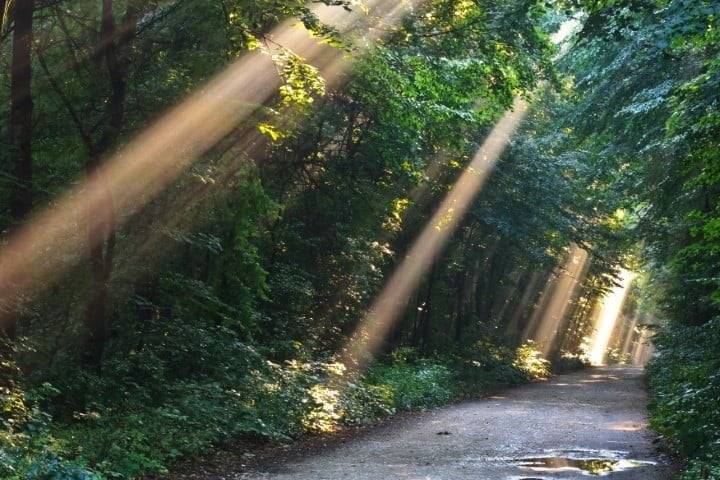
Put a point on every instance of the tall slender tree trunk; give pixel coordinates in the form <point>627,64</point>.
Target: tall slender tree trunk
<point>427,311</point>
<point>21,109</point>
<point>101,224</point>
<point>509,296</point>
<point>530,290</point>
<point>483,294</point>
<point>20,143</point>
<point>538,302</point>
<point>20,129</point>
<point>460,281</point>
<point>460,284</point>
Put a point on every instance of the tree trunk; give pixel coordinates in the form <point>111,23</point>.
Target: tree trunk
<point>496,288</point>
<point>509,296</point>
<point>483,294</point>
<point>427,310</point>
<point>538,301</point>
<point>20,129</point>
<point>101,225</point>
<point>529,291</point>
<point>460,282</point>
<point>21,109</point>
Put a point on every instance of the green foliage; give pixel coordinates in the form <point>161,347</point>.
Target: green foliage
<point>685,386</point>
<point>616,357</point>
<point>268,401</point>
<point>233,292</point>
<point>28,450</point>
<point>422,385</point>
<point>646,76</point>
<point>569,362</point>
<point>530,361</point>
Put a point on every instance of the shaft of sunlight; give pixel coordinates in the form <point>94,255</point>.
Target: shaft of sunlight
<point>643,349</point>
<point>563,34</point>
<point>553,317</point>
<point>52,240</point>
<point>528,292</point>
<point>549,317</point>
<point>608,315</point>
<point>630,334</point>
<point>393,298</point>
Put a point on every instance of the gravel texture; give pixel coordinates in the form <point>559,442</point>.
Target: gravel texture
<point>594,413</point>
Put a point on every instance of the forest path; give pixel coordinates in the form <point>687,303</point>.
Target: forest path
<point>573,426</point>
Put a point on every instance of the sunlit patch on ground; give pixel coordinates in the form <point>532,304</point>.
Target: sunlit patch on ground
<point>627,426</point>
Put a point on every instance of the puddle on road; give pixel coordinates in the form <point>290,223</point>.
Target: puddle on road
<point>586,462</point>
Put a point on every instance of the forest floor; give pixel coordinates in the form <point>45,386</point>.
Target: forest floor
<point>581,424</point>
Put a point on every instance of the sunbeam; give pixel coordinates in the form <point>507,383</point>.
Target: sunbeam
<point>643,349</point>
<point>607,317</point>
<point>630,334</point>
<point>549,317</point>
<point>391,301</point>
<point>147,165</point>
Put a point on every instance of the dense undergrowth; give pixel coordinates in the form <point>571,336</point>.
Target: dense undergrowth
<point>685,387</point>
<point>142,426</point>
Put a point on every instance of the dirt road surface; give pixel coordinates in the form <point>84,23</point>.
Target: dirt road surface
<point>576,426</point>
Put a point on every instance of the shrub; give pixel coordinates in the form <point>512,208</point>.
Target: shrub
<point>140,416</point>
<point>27,449</point>
<point>423,385</point>
<point>568,362</point>
<point>685,386</point>
<point>529,360</point>
<point>616,357</point>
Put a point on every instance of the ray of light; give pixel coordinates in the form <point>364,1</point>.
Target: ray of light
<point>643,349</point>
<point>608,315</point>
<point>540,305</point>
<point>394,296</point>
<point>55,238</point>
<point>548,320</point>
<point>630,334</point>
<point>528,292</point>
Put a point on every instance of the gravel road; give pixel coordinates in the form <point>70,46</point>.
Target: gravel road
<point>579,425</point>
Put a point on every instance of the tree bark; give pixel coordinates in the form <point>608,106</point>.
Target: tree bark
<point>101,224</point>
<point>460,281</point>
<point>20,129</point>
<point>426,312</point>
<point>21,109</point>
<point>530,282</point>
<point>483,294</point>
